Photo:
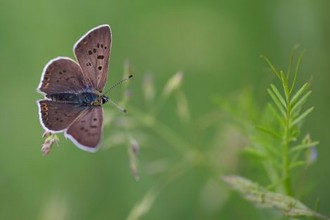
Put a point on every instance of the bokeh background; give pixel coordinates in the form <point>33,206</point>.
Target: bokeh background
<point>216,44</point>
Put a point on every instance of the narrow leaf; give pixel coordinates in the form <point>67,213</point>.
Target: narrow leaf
<point>285,85</point>
<point>299,93</point>
<point>296,70</point>
<point>277,102</point>
<point>269,132</point>
<point>302,116</point>
<point>279,96</point>
<point>293,52</point>
<point>271,66</point>
<point>300,103</point>
<point>304,146</point>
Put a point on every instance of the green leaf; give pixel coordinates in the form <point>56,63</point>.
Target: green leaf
<point>299,93</point>
<point>279,96</point>
<point>304,146</point>
<point>296,69</point>
<point>271,66</point>
<point>300,102</point>
<point>278,102</point>
<point>293,52</point>
<point>273,134</point>
<point>285,85</point>
<point>302,116</point>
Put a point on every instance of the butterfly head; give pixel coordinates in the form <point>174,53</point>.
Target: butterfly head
<point>104,99</point>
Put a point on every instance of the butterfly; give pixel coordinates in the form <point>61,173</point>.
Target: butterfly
<point>73,90</point>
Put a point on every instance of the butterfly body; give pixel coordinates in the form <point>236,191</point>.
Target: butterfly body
<point>72,90</point>
<point>83,98</point>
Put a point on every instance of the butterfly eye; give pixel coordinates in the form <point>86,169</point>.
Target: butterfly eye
<point>104,99</point>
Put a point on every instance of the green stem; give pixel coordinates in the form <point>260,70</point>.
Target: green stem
<point>286,143</point>
<point>286,162</point>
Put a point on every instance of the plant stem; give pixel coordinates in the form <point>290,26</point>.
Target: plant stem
<point>286,141</point>
<point>286,171</point>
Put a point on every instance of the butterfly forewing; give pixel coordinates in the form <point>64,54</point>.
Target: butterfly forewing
<point>61,75</point>
<point>92,52</point>
<point>57,116</point>
<point>86,131</point>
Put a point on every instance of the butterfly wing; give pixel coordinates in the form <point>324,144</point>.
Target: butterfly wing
<point>92,52</point>
<point>86,131</point>
<point>57,116</point>
<point>61,75</point>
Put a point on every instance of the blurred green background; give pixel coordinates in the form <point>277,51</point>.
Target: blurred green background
<point>217,44</point>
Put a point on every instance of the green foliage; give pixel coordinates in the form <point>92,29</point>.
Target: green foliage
<point>279,142</point>
<point>279,146</point>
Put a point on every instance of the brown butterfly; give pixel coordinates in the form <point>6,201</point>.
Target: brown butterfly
<point>73,90</point>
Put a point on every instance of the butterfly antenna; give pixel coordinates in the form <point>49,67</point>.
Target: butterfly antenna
<point>117,106</point>
<point>113,86</point>
<point>118,83</point>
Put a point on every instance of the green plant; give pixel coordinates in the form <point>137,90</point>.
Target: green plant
<point>278,144</point>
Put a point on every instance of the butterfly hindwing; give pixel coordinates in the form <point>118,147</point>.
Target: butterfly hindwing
<point>86,131</point>
<point>57,116</point>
